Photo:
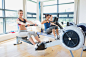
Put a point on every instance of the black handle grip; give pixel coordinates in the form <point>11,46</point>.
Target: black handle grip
<point>60,26</point>
<point>30,25</point>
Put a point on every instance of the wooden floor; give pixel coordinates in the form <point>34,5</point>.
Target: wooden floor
<point>7,49</point>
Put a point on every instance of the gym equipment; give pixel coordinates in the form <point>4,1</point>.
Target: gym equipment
<point>81,25</point>
<point>71,37</point>
<point>31,25</point>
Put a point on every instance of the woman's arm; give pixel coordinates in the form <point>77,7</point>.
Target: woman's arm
<point>19,22</point>
<point>54,24</point>
<point>51,18</point>
<point>44,22</point>
<point>29,21</point>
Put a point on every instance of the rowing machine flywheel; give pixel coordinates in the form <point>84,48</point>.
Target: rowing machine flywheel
<point>72,38</point>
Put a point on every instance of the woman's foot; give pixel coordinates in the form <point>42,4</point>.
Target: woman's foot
<point>57,37</point>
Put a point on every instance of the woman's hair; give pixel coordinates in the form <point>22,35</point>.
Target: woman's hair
<point>20,11</point>
<point>50,15</point>
<point>55,19</point>
<point>46,15</point>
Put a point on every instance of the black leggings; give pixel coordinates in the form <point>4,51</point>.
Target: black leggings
<point>53,27</point>
<point>49,30</point>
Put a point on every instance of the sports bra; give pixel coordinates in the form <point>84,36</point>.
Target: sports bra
<point>21,21</point>
<point>47,25</point>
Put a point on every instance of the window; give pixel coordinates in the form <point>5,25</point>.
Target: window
<point>0,3</point>
<point>66,8</point>
<point>34,15</point>
<point>65,1</point>
<point>50,9</point>
<point>1,13</point>
<point>31,19</point>
<point>71,15</point>
<point>63,15</point>
<point>11,25</point>
<point>1,25</point>
<point>54,15</point>
<point>31,7</point>
<point>14,4</point>
<point>65,20</point>
<point>50,2</point>
<point>11,14</point>
<point>29,15</point>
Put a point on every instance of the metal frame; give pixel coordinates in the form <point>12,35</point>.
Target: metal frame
<point>59,4</point>
<point>39,11</point>
<point>4,20</point>
<point>32,1</point>
<point>31,14</point>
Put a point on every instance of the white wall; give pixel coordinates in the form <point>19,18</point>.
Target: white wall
<point>82,11</point>
<point>8,36</point>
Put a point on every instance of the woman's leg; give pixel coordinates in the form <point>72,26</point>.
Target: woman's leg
<point>37,39</point>
<point>57,32</point>
<point>24,34</point>
<point>53,31</point>
<point>31,40</point>
<point>35,35</point>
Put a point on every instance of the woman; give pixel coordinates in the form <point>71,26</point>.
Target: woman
<point>22,29</point>
<point>47,24</point>
<point>54,25</point>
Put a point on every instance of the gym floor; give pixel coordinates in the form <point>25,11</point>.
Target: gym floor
<point>7,49</point>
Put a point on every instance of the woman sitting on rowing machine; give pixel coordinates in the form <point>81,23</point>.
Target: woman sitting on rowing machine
<point>47,25</point>
<point>22,29</point>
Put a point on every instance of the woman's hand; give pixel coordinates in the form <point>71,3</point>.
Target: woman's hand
<point>51,18</point>
<point>52,24</point>
<point>35,24</point>
<point>56,25</point>
<point>28,25</point>
<point>47,21</point>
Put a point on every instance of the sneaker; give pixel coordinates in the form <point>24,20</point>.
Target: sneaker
<point>84,49</point>
<point>57,37</point>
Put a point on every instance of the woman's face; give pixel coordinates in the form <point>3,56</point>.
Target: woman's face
<point>48,17</point>
<point>51,16</point>
<point>20,14</point>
